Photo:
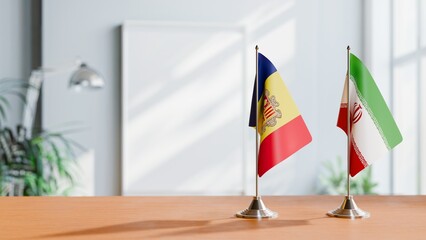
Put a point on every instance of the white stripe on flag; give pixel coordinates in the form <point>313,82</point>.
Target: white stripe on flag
<point>365,133</point>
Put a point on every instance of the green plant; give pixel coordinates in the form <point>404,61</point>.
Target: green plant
<point>33,166</point>
<point>41,165</point>
<point>334,180</point>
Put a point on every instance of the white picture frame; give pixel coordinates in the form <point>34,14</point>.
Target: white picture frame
<point>172,143</point>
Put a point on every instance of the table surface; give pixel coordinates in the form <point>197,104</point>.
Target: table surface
<point>300,217</point>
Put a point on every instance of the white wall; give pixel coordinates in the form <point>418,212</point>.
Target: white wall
<point>15,47</point>
<point>377,48</point>
<point>305,39</point>
<point>393,43</point>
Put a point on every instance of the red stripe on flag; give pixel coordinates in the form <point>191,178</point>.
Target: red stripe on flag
<point>358,162</point>
<point>282,143</point>
<point>267,109</point>
<point>342,119</point>
<point>269,114</point>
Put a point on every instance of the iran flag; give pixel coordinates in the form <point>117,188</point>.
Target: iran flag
<point>373,129</point>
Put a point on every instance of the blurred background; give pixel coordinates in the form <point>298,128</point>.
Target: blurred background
<point>172,116</point>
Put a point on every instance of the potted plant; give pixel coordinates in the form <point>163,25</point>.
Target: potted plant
<point>40,164</point>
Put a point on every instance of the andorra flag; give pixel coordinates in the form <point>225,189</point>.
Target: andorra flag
<point>373,129</point>
<point>281,127</point>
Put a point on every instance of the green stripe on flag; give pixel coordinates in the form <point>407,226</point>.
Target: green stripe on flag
<point>372,99</point>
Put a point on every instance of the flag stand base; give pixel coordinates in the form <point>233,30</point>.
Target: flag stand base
<point>348,209</point>
<point>257,209</point>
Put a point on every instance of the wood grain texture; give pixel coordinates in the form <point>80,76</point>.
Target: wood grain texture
<point>300,217</point>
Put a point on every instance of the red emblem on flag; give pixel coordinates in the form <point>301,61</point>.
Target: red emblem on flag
<point>357,113</point>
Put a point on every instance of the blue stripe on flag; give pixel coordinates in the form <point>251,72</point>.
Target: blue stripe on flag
<point>266,68</point>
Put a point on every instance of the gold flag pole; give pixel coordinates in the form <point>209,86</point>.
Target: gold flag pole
<point>348,209</point>
<point>257,208</point>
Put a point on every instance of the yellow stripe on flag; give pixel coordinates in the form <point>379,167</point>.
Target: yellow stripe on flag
<point>285,104</point>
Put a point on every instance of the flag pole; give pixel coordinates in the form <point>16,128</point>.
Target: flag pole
<point>348,122</point>
<point>257,121</point>
<point>348,209</point>
<point>257,208</point>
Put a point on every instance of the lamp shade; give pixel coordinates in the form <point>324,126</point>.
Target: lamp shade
<point>86,77</point>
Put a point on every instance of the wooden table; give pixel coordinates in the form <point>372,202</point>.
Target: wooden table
<point>300,217</point>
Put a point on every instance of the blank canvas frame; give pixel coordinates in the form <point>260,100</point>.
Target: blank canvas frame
<point>183,108</point>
